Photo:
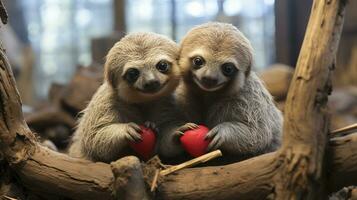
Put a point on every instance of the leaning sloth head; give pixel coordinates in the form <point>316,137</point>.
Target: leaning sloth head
<point>143,67</point>
<point>215,55</point>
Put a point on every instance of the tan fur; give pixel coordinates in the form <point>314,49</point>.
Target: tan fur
<point>111,118</point>
<point>220,42</point>
<point>241,113</point>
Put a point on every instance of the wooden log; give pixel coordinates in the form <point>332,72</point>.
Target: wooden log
<point>49,116</point>
<point>277,79</point>
<point>101,45</point>
<point>129,182</point>
<point>252,178</point>
<point>57,174</point>
<point>44,171</point>
<point>249,179</point>
<point>343,156</point>
<point>345,193</point>
<point>306,122</point>
<point>12,124</point>
<point>3,14</point>
<point>80,90</point>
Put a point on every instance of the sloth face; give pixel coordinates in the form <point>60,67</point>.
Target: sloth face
<point>148,79</point>
<point>210,73</point>
<point>215,56</point>
<point>143,67</point>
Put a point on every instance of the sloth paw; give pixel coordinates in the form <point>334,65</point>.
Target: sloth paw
<point>152,126</point>
<point>217,139</point>
<point>132,132</point>
<point>182,129</point>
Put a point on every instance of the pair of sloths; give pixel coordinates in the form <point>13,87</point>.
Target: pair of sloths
<point>207,80</point>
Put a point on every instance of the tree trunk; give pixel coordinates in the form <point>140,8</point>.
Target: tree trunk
<point>301,171</point>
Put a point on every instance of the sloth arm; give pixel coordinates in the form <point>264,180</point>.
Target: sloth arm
<point>169,144</point>
<point>169,119</point>
<point>250,124</point>
<point>103,137</point>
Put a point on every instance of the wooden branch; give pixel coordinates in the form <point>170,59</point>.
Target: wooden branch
<point>277,79</point>
<point>81,88</point>
<point>12,125</point>
<point>343,170</point>
<point>49,116</point>
<point>249,179</point>
<point>57,174</point>
<point>191,163</point>
<point>3,14</point>
<point>252,178</point>
<point>202,159</point>
<point>344,130</point>
<point>345,193</point>
<point>129,182</point>
<point>49,173</point>
<point>305,121</point>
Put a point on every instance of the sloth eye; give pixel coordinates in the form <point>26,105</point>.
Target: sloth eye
<point>198,62</point>
<point>132,75</point>
<point>163,66</point>
<point>228,69</point>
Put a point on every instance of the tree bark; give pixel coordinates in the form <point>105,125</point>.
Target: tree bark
<point>252,178</point>
<point>305,130</point>
<point>50,173</point>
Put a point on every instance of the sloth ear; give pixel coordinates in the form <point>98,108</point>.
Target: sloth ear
<point>249,68</point>
<point>111,75</point>
<point>250,63</point>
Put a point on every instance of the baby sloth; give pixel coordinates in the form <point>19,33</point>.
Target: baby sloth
<point>141,73</point>
<point>220,91</point>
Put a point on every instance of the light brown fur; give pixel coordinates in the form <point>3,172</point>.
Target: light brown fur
<point>240,112</point>
<point>112,117</point>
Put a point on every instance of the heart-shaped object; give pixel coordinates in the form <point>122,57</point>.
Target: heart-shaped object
<point>145,147</point>
<point>193,141</point>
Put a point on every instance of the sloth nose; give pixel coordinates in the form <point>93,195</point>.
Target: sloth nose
<point>209,81</point>
<point>151,86</point>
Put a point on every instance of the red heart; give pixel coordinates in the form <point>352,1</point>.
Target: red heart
<point>193,141</point>
<point>145,147</point>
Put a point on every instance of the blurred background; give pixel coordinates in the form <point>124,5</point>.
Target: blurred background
<point>57,48</point>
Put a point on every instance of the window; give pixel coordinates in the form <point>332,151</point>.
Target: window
<point>60,32</point>
<point>255,18</point>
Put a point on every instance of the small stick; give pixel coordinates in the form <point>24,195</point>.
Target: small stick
<point>193,162</point>
<point>3,14</point>
<point>10,198</point>
<point>346,129</point>
<point>154,181</point>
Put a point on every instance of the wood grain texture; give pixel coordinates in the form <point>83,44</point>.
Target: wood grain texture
<point>306,121</point>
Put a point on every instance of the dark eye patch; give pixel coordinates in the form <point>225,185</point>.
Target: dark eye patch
<point>163,66</point>
<point>198,62</point>
<point>229,69</point>
<point>131,75</point>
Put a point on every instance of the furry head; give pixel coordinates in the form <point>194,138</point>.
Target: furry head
<point>143,67</point>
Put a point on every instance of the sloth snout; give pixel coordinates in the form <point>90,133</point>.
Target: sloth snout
<point>209,82</point>
<point>151,86</point>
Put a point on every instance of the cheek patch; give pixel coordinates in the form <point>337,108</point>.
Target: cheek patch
<point>238,83</point>
<point>241,79</point>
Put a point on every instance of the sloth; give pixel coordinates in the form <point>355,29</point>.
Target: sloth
<point>140,75</point>
<point>220,90</point>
